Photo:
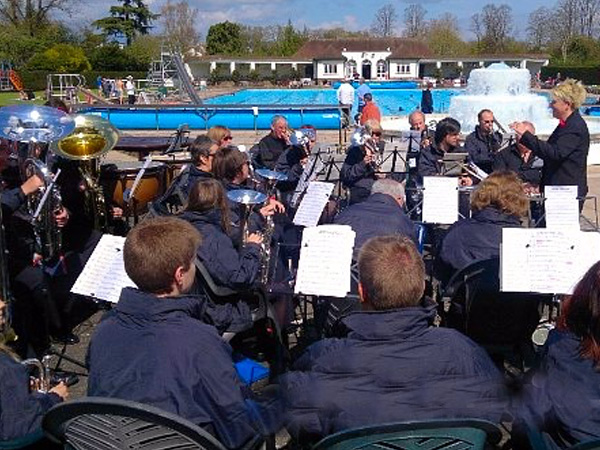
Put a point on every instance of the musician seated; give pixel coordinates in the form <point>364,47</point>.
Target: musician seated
<point>221,135</point>
<point>562,397</point>
<point>23,407</point>
<point>293,161</point>
<point>269,148</point>
<point>522,161</point>
<point>202,152</point>
<point>154,347</point>
<point>498,202</point>
<point>208,211</point>
<point>394,365</point>
<point>232,168</point>
<point>483,143</point>
<point>359,172</point>
<point>380,214</point>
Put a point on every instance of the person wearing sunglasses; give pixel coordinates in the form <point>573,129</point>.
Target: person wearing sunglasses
<point>221,135</point>
<point>483,143</point>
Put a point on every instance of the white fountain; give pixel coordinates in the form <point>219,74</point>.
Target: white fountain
<point>505,91</point>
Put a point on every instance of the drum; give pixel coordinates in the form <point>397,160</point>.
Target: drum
<point>119,176</point>
<point>174,163</point>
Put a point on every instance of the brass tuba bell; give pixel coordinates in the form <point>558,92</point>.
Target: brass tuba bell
<point>93,137</point>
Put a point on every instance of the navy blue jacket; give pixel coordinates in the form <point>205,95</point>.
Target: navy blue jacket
<point>229,268</point>
<point>473,239</point>
<point>393,366</point>
<point>157,351</point>
<point>429,161</point>
<point>564,393</point>
<point>21,412</point>
<point>482,147</point>
<point>378,215</point>
<point>178,192</point>
<point>529,171</point>
<point>356,175</point>
<point>564,154</point>
<point>11,200</point>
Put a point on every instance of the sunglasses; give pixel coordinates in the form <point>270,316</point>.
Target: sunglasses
<point>228,138</point>
<point>376,133</point>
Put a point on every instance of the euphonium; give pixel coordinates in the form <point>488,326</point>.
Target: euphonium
<point>42,370</point>
<point>92,138</point>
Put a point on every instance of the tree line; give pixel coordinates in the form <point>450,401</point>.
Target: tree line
<point>31,38</point>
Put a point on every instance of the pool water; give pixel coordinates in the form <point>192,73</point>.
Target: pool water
<point>391,102</point>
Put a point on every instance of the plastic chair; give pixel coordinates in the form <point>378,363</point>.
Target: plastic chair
<point>467,434</point>
<point>501,322</point>
<point>111,424</point>
<point>587,445</point>
<point>24,442</point>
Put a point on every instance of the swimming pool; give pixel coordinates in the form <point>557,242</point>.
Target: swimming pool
<point>391,102</point>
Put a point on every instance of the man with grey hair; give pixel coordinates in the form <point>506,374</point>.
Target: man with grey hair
<point>268,150</point>
<point>381,214</point>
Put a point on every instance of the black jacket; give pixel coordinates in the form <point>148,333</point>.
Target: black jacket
<point>482,148</point>
<point>529,171</point>
<point>473,239</point>
<point>158,351</point>
<point>393,366</point>
<point>11,200</point>
<point>21,412</point>
<point>378,215</point>
<point>356,175</point>
<point>229,268</point>
<point>429,161</point>
<point>178,192</point>
<point>267,152</point>
<point>564,154</point>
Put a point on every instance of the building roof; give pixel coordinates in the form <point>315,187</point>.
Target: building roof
<point>333,48</point>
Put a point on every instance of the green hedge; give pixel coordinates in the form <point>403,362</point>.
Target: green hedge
<point>585,74</point>
<point>36,79</point>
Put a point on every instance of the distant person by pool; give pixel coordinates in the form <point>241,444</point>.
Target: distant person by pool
<point>427,100</point>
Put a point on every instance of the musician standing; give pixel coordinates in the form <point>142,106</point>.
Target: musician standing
<point>566,150</point>
<point>359,171</point>
<point>483,143</point>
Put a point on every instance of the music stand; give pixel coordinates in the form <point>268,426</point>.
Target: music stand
<point>452,164</point>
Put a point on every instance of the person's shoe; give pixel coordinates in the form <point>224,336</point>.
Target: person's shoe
<point>68,339</point>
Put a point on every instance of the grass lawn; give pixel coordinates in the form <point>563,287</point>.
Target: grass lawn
<point>12,98</point>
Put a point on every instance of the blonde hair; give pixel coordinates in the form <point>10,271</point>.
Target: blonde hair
<point>373,126</point>
<point>217,133</point>
<point>570,91</point>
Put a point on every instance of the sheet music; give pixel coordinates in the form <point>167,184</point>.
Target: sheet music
<point>546,261</point>
<point>104,275</point>
<point>310,172</point>
<point>440,200</point>
<point>562,207</point>
<point>311,207</point>
<point>325,260</point>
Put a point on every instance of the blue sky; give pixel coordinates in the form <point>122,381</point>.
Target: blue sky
<point>350,14</point>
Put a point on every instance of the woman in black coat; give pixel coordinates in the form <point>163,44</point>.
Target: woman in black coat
<point>566,150</point>
<point>208,211</point>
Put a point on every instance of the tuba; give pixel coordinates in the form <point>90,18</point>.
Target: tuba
<point>92,138</point>
<point>33,125</point>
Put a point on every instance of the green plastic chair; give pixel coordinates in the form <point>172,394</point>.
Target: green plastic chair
<point>467,434</point>
<point>22,442</point>
<point>587,445</point>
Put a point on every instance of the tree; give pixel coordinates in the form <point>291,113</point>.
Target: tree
<point>564,25</point>
<point>30,15</point>
<point>443,36</point>
<point>414,21</point>
<point>385,21</point>
<point>539,33</point>
<point>179,23</point>
<point>61,58</point>
<point>588,13</point>
<point>496,21</point>
<point>477,28</point>
<point>288,40</point>
<point>224,39</point>
<point>129,20</point>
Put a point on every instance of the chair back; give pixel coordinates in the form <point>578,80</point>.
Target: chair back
<point>111,424</point>
<point>467,434</point>
<point>480,310</point>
